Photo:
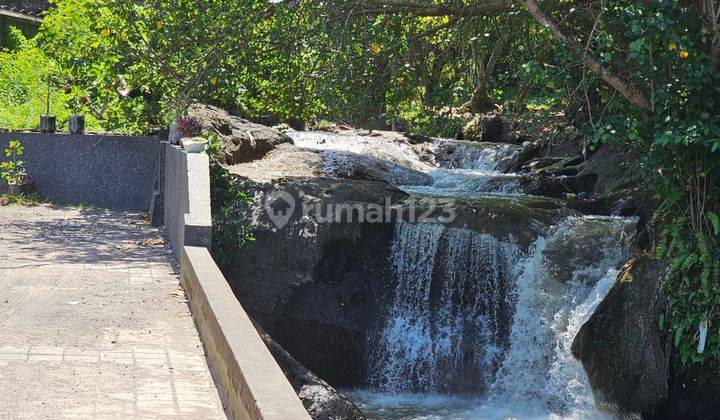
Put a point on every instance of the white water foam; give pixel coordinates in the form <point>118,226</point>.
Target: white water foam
<point>534,375</point>
<point>464,182</point>
<point>377,147</point>
<point>473,155</point>
<point>438,330</point>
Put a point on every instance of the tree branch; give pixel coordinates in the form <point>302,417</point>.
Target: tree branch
<point>632,94</point>
<point>424,8</point>
<point>432,31</point>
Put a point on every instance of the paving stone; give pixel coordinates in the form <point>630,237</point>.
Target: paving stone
<point>94,324</point>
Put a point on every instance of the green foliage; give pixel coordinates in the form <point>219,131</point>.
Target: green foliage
<point>229,204</point>
<point>138,64</point>
<point>24,74</point>
<point>21,199</point>
<point>141,63</point>
<point>13,169</point>
<point>691,284</point>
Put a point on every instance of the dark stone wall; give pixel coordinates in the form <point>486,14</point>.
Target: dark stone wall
<point>116,172</point>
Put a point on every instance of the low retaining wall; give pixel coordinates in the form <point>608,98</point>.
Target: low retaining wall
<point>187,199</point>
<point>116,172</point>
<point>252,383</point>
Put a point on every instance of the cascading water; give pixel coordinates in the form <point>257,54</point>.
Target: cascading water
<point>477,326</point>
<point>471,315</point>
<point>471,168</point>
<point>443,332</point>
<point>456,154</point>
<point>557,287</point>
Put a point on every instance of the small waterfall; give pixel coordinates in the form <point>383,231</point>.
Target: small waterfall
<point>456,154</point>
<point>558,286</point>
<point>472,314</point>
<point>443,331</point>
<point>471,168</point>
<point>458,182</point>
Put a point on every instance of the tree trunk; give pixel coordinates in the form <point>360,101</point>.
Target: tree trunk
<point>632,94</point>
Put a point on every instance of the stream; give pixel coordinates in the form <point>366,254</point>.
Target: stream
<point>479,326</point>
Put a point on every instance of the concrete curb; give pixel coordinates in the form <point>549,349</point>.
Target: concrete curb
<point>254,385</point>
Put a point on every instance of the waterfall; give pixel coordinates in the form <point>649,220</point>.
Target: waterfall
<point>443,331</point>
<point>471,314</point>
<point>473,326</point>
<point>455,154</point>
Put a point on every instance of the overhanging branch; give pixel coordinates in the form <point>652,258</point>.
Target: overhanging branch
<point>631,93</point>
<point>424,8</point>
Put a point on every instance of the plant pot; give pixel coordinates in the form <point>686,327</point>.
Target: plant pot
<point>47,123</point>
<point>17,189</point>
<point>192,145</point>
<point>174,136</point>
<point>76,124</point>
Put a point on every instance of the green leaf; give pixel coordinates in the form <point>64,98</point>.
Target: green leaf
<point>678,335</point>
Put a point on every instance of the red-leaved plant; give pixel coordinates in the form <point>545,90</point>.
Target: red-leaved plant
<point>189,127</point>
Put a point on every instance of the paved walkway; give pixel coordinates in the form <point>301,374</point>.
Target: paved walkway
<point>93,322</point>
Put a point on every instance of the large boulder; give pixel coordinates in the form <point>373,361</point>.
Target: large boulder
<point>241,140</point>
<point>288,161</point>
<point>558,185</point>
<point>621,346</point>
<point>315,285</point>
<point>347,165</point>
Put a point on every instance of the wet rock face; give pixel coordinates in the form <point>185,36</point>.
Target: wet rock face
<point>621,347</point>
<point>241,140</point>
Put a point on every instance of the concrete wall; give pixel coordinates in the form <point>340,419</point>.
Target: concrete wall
<point>187,199</point>
<point>252,384</point>
<point>115,172</point>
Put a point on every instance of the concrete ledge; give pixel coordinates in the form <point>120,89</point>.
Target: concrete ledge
<point>187,199</point>
<point>253,384</point>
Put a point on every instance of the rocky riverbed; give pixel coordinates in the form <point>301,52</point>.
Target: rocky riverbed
<point>332,293</point>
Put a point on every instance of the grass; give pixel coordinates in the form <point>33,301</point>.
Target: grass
<point>22,199</point>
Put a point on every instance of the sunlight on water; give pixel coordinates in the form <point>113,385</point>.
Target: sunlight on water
<point>477,329</point>
<point>505,337</point>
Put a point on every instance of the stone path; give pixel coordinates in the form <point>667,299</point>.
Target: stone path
<point>93,324</point>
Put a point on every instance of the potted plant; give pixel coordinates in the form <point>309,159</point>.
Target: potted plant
<point>194,144</point>
<point>189,130</point>
<point>76,121</point>
<point>13,169</point>
<point>177,108</point>
<point>47,121</point>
